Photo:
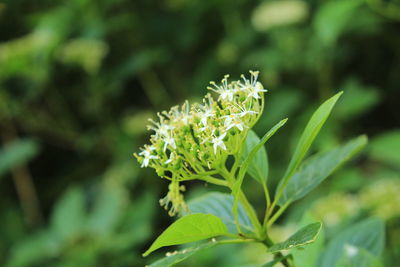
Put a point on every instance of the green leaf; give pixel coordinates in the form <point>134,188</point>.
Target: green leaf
<point>332,19</point>
<point>310,132</point>
<point>358,257</point>
<point>309,255</point>
<point>368,234</point>
<point>386,147</point>
<point>304,236</point>
<point>220,205</point>
<point>17,153</point>
<point>179,256</point>
<point>69,218</point>
<point>318,168</point>
<point>258,167</point>
<point>252,154</point>
<point>189,228</point>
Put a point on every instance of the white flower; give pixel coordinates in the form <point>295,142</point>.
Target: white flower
<point>169,140</point>
<point>146,153</point>
<point>161,128</point>
<point>233,121</point>
<point>254,91</point>
<point>224,90</point>
<point>243,111</point>
<point>218,142</point>
<point>253,86</point>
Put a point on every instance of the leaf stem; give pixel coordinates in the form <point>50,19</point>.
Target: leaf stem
<point>213,180</point>
<point>277,214</point>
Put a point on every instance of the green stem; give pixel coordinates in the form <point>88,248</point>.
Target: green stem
<point>269,243</point>
<point>213,180</point>
<point>245,202</point>
<point>277,214</point>
<point>234,241</point>
<point>267,201</point>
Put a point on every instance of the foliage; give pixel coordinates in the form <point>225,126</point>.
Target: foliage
<point>79,78</point>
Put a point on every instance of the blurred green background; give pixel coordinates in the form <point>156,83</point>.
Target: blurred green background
<point>80,78</point>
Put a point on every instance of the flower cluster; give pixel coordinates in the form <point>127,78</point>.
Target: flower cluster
<point>189,141</point>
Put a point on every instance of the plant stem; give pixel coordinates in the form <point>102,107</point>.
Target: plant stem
<point>277,214</point>
<point>267,202</point>
<point>213,180</point>
<point>268,242</point>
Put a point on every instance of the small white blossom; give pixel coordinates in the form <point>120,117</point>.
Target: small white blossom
<point>255,91</point>
<point>169,140</point>
<point>146,153</point>
<point>233,121</point>
<point>224,90</point>
<point>218,142</point>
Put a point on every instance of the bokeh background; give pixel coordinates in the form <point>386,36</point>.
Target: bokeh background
<point>80,78</point>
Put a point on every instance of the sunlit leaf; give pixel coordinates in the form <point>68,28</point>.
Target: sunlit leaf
<point>220,205</point>
<point>189,228</point>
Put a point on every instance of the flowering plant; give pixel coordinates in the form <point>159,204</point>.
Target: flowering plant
<point>196,142</point>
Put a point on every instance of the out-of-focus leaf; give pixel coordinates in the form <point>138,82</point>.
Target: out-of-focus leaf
<point>386,147</point>
<point>220,205</point>
<point>17,153</point>
<point>69,219</point>
<point>311,131</point>
<point>107,210</point>
<point>304,236</point>
<point>276,13</point>
<point>258,167</point>
<point>173,258</point>
<point>356,100</point>
<point>358,257</point>
<point>318,168</point>
<point>189,228</point>
<point>88,53</point>
<point>332,17</point>
<point>368,234</point>
<point>34,249</point>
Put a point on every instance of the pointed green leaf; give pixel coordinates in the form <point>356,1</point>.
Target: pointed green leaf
<point>258,167</point>
<point>368,234</point>
<point>304,236</point>
<point>220,205</point>
<point>246,162</point>
<point>318,168</point>
<point>189,228</point>
<point>311,131</point>
<point>179,256</point>
<point>251,155</point>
